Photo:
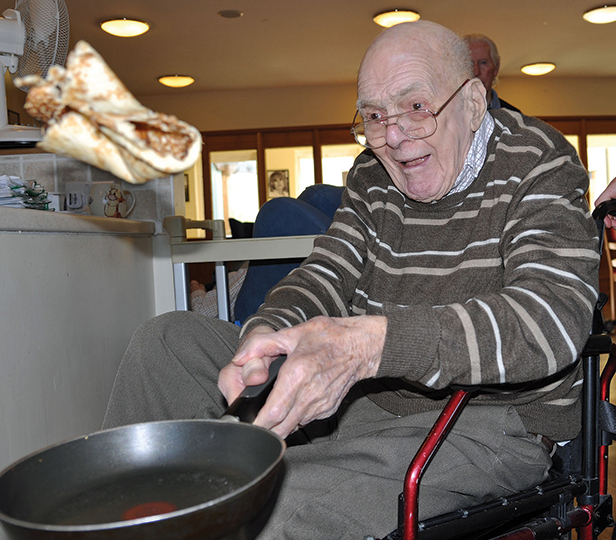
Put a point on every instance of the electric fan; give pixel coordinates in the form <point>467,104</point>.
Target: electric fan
<point>33,37</point>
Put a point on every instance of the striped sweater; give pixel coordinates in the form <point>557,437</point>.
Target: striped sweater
<point>492,286</point>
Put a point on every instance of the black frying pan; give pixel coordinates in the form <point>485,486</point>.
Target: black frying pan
<point>180,480</point>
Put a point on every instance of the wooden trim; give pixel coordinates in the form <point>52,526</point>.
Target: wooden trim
<point>317,156</point>
<point>261,170</point>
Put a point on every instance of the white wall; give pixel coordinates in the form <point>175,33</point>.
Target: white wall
<point>335,104</point>
<point>549,95</point>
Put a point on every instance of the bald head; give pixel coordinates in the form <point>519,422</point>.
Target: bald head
<point>447,49</point>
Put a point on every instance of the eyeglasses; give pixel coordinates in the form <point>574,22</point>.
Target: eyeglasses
<point>414,124</point>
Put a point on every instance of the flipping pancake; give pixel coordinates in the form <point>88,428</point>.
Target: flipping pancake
<point>91,116</point>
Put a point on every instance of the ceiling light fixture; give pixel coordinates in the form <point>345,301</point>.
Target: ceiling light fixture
<point>176,81</point>
<point>230,14</point>
<point>125,27</point>
<point>395,16</point>
<point>601,15</point>
<point>539,68</point>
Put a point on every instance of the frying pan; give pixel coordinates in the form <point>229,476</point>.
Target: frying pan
<point>180,480</point>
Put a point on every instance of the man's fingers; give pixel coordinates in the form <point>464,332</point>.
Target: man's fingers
<point>254,372</point>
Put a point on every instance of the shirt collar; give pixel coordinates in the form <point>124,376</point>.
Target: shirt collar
<point>495,103</point>
<point>476,155</point>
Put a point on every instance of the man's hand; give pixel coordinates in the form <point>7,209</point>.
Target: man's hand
<point>608,193</point>
<point>325,358</point>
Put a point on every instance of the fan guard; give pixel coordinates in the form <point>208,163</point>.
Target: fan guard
<point>47,32</point>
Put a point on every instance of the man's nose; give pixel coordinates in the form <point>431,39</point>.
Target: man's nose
<point>394,134</point>
<point>476,69</point>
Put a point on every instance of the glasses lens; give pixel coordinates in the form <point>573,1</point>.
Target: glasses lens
<point>370,135</point>
<point>360,136</point>
<point>414,124</point>
<point>417,124</point>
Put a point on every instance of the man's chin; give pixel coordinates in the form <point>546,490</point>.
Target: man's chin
<point>417,194</point>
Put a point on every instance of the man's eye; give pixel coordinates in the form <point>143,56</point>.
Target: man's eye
<point>372,117</point>
<point>418,106</point>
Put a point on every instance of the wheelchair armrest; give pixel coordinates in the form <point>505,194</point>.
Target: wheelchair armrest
<point>408,515</point>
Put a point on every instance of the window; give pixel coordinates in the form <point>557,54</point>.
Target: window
<point>595,140</point>
<point>244,169</point>
<point>337,162</point>
<point>234,185</point>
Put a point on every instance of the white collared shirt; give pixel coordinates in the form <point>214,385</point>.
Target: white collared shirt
<point>476,155</point>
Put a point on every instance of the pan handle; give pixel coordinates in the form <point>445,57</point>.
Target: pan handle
<point>248,404</point>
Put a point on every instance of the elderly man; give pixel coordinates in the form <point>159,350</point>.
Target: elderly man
<point>486,64</point>
<point>463,253</point>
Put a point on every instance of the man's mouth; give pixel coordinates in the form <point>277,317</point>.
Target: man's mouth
<point>414,162</point>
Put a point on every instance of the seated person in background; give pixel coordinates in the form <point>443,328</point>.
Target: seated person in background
<point>205,301</point>
<point>486,64</point>
<point>311,213</point>
<point>463,253</point>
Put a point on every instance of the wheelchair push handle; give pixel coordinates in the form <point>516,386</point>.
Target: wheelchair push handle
<point>605,208</point>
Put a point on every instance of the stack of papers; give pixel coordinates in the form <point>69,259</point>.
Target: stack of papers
<point>18,193</point>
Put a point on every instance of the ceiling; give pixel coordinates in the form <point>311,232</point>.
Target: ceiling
<point>279,43</point>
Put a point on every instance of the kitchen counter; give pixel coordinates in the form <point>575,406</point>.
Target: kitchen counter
<point>74,289</point>
<point>24,220</point>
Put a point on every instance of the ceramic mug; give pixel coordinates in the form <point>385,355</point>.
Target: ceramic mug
<point>107,199</point>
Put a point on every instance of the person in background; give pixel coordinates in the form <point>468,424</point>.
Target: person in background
<point>486,64</point>
<point>463,252</point>
<point>311,213</point>
<point>206,301</point>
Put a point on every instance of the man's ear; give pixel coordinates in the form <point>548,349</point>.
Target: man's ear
<point>478,104</point>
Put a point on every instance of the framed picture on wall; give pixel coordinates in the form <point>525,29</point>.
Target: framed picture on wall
<point>277,183</point>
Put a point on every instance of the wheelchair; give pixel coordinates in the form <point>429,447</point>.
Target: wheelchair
<point>574,497</point>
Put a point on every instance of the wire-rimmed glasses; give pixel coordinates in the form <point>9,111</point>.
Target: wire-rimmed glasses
<point>414,124</point>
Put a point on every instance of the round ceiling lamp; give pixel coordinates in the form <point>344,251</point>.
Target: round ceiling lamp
<point>601,15</point>
<point>230,14</point>
<point>125,27</point>
<point>392,17</point>
<point>539,68</point>
<point>176,81</point>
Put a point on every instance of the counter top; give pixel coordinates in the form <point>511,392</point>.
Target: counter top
<point>38,221</point>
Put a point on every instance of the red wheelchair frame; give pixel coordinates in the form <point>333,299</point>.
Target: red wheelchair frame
<point>576,499</point>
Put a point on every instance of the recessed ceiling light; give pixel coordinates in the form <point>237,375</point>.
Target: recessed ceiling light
<point>601,15</point>
<point>540,68</point>
<point>230,13</point>
<point>395,16</point>
<point>125,27</point>
<point>176,81</point>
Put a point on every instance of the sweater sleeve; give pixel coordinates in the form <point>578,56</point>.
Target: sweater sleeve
<point>326,281</point>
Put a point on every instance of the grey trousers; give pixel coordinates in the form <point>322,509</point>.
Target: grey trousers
<point>343,484</point>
